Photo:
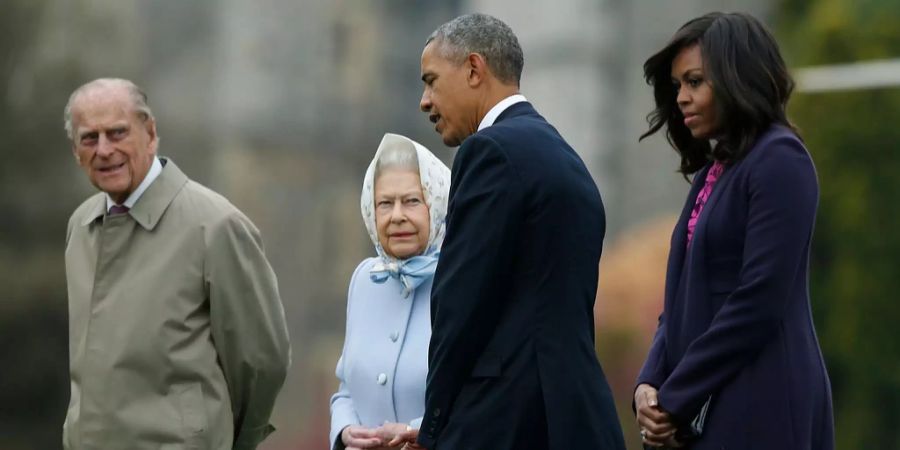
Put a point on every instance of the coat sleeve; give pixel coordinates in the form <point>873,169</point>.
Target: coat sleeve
<point>484,215</point>
<point>782,195</point>
<point>248,325</point>
<point>343,411</point>
<point>653,372</point>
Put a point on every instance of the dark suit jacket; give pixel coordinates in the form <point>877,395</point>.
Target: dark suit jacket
<point>511,360</point>
<point>737,324</point>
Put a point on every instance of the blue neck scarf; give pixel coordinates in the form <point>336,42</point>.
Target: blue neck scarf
<point>434,177</point>
<point>411,272</point>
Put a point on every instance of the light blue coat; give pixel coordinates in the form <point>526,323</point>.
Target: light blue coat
<point>384,362</point>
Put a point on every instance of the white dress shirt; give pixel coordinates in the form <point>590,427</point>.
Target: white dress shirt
<point>155,170</point>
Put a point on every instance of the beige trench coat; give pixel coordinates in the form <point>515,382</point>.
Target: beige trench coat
<point>177,333</point>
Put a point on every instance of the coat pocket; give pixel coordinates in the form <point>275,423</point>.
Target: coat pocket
<point>193,413</point>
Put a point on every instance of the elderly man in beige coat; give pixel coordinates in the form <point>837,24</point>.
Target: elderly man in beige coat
<point>177,333</point>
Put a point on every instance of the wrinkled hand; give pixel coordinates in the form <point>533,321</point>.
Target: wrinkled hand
<point>389,431</point>
<point>357,437</point>
<point>402,434</point>
<point>656,424</point>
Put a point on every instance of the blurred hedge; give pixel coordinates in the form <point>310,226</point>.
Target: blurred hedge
<point>854,137</point>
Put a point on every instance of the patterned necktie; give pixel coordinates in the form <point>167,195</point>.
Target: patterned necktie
<point>118,209</point>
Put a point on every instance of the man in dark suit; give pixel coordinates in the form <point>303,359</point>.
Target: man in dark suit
<point>511,361</point>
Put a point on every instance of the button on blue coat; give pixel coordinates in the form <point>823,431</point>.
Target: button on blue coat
<point>384,362</point>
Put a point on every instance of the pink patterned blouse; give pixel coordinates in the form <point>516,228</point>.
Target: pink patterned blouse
<point>711,177</point>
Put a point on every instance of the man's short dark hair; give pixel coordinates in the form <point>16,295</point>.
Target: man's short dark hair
<point>486,35</point>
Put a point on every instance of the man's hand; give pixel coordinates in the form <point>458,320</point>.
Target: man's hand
<point>656,425</point>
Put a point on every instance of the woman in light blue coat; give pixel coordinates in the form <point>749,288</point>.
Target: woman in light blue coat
<point>384,361</point>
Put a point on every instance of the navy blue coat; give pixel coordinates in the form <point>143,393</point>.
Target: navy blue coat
<point>511,359</point>
<point>737,325</point>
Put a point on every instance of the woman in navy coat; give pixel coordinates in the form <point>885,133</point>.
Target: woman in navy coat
<point>735,363</point>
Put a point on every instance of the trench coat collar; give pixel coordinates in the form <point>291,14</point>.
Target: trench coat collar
<point>150,208</point>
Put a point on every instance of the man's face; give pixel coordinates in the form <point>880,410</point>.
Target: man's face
<point>447,97</point>
<point>111,142</point>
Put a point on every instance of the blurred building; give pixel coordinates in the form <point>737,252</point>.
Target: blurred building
<point>584,71</point>
<point>279,105</point>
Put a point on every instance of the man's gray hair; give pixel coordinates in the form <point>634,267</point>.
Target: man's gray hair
<point>138,100</point>
<point>486,35</point>
<point>398,157</point>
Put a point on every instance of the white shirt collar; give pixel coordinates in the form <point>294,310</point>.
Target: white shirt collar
<point>155,170</point>
<point>501,106</point>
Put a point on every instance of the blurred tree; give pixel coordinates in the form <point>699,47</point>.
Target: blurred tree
<point>626,312</point>
<point>33,352</point>
<point>855,140</point>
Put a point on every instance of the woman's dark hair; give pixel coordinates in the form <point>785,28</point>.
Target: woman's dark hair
<point>750,85</point>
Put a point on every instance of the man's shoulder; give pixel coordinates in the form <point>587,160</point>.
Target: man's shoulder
<point>205,201</point>
<point>521,137</point>
<point>511,128</point>
<point>197,203</point>
<point>525,129</point>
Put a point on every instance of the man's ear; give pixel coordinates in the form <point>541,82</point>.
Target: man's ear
<point>150,124</point>
<point>477,68</point>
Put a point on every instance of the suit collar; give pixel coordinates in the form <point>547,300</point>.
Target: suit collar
<point>150,208</point>
<point>519,109</point>
<point>498,109</point>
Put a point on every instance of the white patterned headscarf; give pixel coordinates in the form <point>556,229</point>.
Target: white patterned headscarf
<point>435,178</point>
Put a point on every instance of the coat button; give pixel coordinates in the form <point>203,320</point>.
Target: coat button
<point>394,336</point>
<point>382,379</point>
<point>437,412</point>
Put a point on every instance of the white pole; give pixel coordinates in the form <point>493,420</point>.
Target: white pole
<point>841,77</point>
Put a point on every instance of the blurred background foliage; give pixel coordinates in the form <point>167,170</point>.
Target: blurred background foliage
<point>349,72</point>
<point>854,137</point>
<point>34,388</point>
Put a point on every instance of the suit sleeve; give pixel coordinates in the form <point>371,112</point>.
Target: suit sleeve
<point>474,270</point>
<point>343,411</point>
<point>782,194</point>
<point>248,326</point>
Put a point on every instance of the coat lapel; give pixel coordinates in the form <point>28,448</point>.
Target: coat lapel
<point>679,236</point>
<point>152,204</point>
<point>699,243</point>
<point>95,210</point>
